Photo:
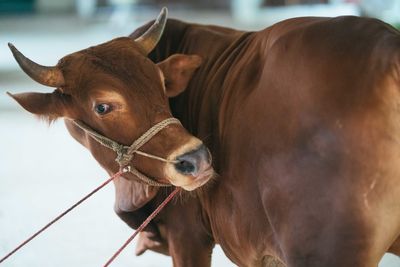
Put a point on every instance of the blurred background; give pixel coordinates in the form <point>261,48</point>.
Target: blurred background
<point>43,171</point>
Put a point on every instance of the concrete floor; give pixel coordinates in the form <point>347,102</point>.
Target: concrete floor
<point>43,171</point>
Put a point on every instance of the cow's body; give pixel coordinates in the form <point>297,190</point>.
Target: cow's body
<point>303,123</point>
<point>302,120</point>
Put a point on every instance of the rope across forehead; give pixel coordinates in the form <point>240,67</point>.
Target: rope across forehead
<point>126,153</point>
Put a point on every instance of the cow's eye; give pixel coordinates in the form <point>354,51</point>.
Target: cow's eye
<point>102,109</point>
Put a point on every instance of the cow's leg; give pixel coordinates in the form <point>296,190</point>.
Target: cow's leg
<point>185,228</point>
<point>150,238</point>
<point>189,252</point>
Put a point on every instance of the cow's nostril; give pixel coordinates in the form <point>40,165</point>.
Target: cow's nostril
<point>185,166</point>
<point>191,162</point>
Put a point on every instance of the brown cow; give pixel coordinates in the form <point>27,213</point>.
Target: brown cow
<point>302,123</point>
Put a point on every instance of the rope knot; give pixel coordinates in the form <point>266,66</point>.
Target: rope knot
<point>123,158</point>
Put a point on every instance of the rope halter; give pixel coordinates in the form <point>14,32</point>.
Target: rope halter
<point>126,153</point>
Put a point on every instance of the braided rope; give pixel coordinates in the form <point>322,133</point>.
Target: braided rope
<point>143,139</point>
<point>150,133</point>
<point>125,153</point>
<point>145,179</point>
<point>105,141</point>
<point>155,157</point>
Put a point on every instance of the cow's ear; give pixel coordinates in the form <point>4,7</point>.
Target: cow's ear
<point>178,70</point>
<point>50,105</point>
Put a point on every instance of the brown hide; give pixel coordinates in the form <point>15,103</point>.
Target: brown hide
<point>302,121</point>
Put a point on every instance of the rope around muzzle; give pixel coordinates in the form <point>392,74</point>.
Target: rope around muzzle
<point>126,153</point>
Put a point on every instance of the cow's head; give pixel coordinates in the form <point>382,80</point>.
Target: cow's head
<point>116,90</point>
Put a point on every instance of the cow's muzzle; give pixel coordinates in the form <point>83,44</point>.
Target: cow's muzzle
<point>194,162</point>
<point>192,166</point>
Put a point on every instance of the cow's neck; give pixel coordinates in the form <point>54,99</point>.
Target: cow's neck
<point>199,106</point>
<point>212,97</point>
<point>233,64</point>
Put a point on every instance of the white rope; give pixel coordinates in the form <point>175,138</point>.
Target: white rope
<point>125,153</point>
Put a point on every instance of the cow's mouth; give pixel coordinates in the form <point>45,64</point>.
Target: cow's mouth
<point>200,180</point>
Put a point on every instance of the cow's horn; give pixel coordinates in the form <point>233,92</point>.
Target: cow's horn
<point>150,38</point>
<point>50,76</point>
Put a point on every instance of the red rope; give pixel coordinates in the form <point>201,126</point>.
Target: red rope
<point>142,226</point>
<point>60,216</point>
